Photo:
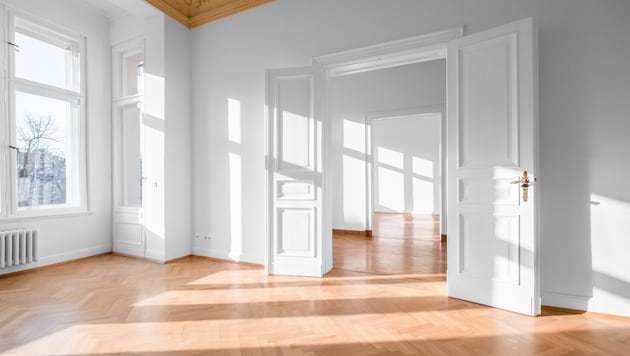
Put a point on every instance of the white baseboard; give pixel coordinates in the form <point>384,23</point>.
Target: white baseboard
<point>226,255</point>
<point>562,300</point>
<point>61,257</point>
<point>183,252</point>
<point>156,255</point>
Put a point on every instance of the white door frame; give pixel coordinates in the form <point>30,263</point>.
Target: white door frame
<point>369,149</point>
<point>410,50</point>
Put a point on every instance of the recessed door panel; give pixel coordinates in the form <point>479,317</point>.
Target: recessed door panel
<point>489,247</point>
<point>296,232</point>
<point>488,103</point>
<point>295,123</point>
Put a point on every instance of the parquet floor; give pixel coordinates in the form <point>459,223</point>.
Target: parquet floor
<point>401,244</point>
<point>111,305</point>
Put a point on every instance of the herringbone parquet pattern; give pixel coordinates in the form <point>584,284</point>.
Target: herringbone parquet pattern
<point>110,305</point>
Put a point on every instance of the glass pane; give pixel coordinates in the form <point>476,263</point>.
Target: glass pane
<point>131,156</point>
<point>44,60</point>
<point>45,157</point>
<point>133,74</point>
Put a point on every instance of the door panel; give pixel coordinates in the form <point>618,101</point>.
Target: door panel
<point>492,125</point>
<point>296,134</point>
<point>294,186</point>
<point>129,231</point>
<point>490,112</point>
<point>131,157</point>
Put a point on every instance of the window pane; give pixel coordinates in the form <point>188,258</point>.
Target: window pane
<point>45,60</point>
<point>133,74</point>
<point>131,155</point>
<point>46,161</point>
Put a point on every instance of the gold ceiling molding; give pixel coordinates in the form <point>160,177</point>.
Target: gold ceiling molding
<point>193,13</point>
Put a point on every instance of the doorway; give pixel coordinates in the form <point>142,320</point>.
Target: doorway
<point>387,168</point>
<point>492,137</point>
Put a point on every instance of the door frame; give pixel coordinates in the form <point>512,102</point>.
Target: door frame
<point>125,218</point>
<point>369,158</point>
<point>409,50</point>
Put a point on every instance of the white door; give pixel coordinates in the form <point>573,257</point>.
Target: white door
<point>295,186</point>
<point>129,182</point>
<point>492,139</point>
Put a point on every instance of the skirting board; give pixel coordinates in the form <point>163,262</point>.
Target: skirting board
<point>155,255</point>
<point>362,233</point>
<point>60,258</point>
<point>226,255</point>
<point>568,301</point>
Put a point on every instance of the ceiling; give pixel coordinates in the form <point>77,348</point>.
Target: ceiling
<point>193,13</point>
<point>115,8</point>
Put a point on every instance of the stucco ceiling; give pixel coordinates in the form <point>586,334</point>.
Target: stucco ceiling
<point>193,13</point>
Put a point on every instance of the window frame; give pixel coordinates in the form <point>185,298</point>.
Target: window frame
<point>120,100</point>
<point>11,84</point>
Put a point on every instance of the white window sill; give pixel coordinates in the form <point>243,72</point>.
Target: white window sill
<point>41,215</point>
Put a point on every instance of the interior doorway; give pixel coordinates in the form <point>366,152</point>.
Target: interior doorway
<point>492,139</point>
<point>388,128</point>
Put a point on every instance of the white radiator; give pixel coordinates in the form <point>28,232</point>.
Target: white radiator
<point>18,247</point>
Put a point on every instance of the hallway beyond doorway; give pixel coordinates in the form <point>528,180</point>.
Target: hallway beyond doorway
<point>401,244</point>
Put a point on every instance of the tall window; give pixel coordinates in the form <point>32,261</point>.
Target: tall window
<point>46,138</point>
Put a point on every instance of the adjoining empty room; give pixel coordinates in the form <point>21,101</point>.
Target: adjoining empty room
<point>387,168</point>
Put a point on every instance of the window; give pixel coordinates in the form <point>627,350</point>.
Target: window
<point>45,163</point>
<point>127,125</point>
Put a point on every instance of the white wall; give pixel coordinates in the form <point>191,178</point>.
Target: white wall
<point>64,238</point>
<point>352,97</point>
<point>178,146</point>
<point>154,132</point>
<point>584,89</point>
<point>406,161</point>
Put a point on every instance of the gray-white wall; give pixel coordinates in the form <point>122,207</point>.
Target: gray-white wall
<point>406,161</point>
<point>70,237</point>
<point>352,97</point>
<point>584,48</point>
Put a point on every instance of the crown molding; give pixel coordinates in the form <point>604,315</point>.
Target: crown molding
<point>228,9</point>
<point>194,13</point>
<point>170,11</point>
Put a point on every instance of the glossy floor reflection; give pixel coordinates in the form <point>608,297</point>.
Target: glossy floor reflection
<point>401,244</point>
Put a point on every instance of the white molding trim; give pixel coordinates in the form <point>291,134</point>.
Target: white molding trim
<point>563,300</point>
<point>379,56</point>
<point>154,254</point>
<point>389,54</point>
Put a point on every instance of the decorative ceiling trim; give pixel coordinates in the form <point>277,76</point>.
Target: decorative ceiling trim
<point>196,13</point>
<point>228,9</point>
<point>170,11</point>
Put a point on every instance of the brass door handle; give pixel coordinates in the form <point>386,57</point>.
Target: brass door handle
<point>524,182</point>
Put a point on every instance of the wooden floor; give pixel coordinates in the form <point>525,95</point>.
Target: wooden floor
<point>368,305</point>
<point>401,244</point>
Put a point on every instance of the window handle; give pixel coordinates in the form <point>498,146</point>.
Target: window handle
<point>15,148</point>
<point>15,47</point>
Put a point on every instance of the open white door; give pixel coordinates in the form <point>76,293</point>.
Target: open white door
<point>294,165</point>
<point>492,140</point>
